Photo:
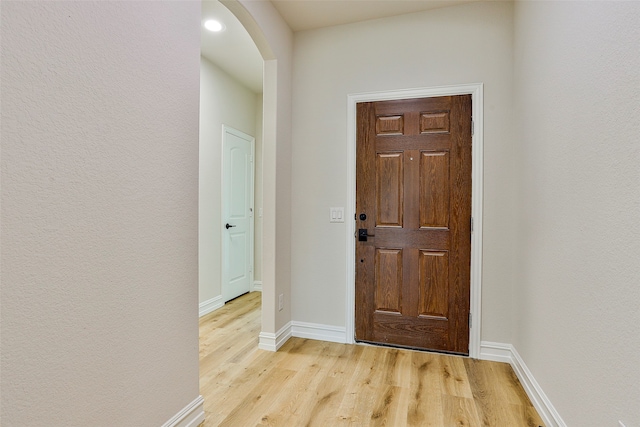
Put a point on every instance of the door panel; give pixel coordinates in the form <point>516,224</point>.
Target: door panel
<point>389,125</point>
<point>238,248</point>
<point>434,189</point>
<point>434,284</point>
<point>388,280</point>
<point>240,152</point>
<point>389,189</point>
<point>237,213</point>
<point>434,122</point>
<point>413,183</point>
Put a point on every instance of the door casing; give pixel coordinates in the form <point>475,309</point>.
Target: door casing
<point>476,92</point>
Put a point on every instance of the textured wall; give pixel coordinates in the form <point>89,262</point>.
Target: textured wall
<point>578,143</point>
<point>222,101</point>
<point>464,44</point>
<point>99,212</point>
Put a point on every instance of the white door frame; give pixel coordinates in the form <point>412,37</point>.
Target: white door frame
<point>476,92</point>
<point>224,271</point>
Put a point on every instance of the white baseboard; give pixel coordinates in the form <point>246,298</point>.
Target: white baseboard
<point>314,331</point>
<point>210,305</point>
<point>320,332</point>
<point>190,416</point>
<point>539,399</point>
<point>257,286</point>
<point>272,342</point>
<point>507,353</point>
<point>495,351</point>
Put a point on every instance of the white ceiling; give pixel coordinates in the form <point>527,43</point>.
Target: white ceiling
<point>311,14</point>
<point>234,51</point>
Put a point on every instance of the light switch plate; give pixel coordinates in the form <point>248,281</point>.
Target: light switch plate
<point>336,214</point>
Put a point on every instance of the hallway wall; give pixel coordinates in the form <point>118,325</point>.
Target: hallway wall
<point>99,218</point>
<point>577,294</point>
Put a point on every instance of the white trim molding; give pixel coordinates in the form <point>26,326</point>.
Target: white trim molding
<point>476,90</point>
<point>496,352</point>
<point>316,331</point>
<point>272,342</point>
<point>189,416</point>
<point>507,353</point>
<point>210,305</point>
<point>257,286</point>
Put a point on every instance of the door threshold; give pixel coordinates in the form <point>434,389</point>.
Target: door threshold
<point>403,347</point>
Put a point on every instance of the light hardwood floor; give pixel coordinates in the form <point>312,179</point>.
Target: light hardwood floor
<point>316,383</point>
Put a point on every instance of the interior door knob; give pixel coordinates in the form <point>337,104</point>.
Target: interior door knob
<point>228,226</point>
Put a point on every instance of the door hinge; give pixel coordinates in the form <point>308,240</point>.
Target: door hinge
<point>472,127</point>
<point>251,157</point>
<point>470,320</point>
<point>472,224</point>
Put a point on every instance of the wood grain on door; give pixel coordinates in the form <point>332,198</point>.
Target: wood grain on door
<point>413,183</point>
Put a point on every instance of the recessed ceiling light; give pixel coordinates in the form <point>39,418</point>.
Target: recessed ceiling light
<point>213,25</point>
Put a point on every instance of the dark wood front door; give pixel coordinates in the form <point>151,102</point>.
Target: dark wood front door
<point>413,200</point>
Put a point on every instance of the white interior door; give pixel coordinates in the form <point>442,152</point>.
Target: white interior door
<point>237,212</point>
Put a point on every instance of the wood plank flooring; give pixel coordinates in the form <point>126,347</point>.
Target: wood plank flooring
<point>316,383</point>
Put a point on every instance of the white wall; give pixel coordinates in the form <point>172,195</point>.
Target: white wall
<point>99,212</point>
<point>578,161</point>
<point>258,198</point>
<point>464,44</point>
<point>223,100</point>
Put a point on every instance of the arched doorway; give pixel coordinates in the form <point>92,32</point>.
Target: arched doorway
<point>273,39</point>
